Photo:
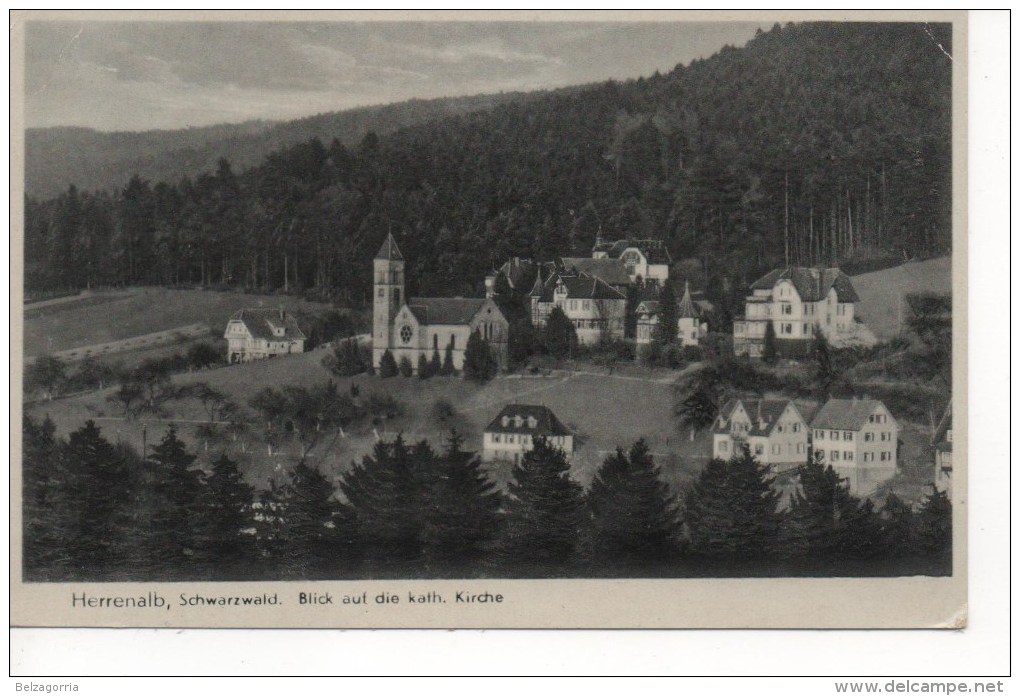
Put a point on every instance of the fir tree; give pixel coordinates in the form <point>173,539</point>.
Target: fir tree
<point>825,522</point>
<point>423,367</point>
<point>173,501</point>
<point>769,350</point>
<point>825,372</point>
<point>478,363</point>
<point>698,410</point>
<point>405,367</point>
<point>448,368</point>
<point>46,525</point>
<point>634,519</point>
<point>310,524</point>
<point>436,364</point>
<point>898,535</point>
<point>558,335</point>
<point>100,488</point>
<point>225,518</point>
<point>384,495</point>
<point>935,531</point>
<point>387,365</point>
<point>545,514</point>
<point>732,511</point>
<point>462,513</point>
<point>346,359</point>
<point>669,315</point>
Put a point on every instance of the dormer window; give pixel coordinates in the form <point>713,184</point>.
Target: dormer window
<point>506,421</point>
<point>532,423</point>
<point>518,421</point>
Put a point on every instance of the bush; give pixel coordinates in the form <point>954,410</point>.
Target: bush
<point>382,406</point>
<point>423,367</point>
<point>347,359</point>
<point>202,355</point>
<point>442,411</point>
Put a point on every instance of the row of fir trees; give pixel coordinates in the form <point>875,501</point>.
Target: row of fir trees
<point>94,510</point>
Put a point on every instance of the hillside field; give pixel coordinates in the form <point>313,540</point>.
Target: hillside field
<point>882,292</point>
<point>102,317</point>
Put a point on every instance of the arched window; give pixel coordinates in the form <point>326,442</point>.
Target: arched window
<point>435,341</point>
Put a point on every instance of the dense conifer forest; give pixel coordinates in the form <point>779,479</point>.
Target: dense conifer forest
<point>815,143</point>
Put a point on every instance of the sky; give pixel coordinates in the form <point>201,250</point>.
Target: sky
<point>146,75</point>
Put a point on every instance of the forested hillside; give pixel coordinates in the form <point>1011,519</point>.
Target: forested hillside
<point>92,160</point>
<point>815,143</point>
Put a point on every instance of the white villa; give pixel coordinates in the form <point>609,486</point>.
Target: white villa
<point>690,326</point>
<point>797,301</point>
<point>256,334</point>
<point>858,438</point>
<point>596,309</point>
<point>644,260</point>
<point>773,430</point>
<point>511,433</point>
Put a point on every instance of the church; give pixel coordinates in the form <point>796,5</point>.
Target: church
<point>413,326</point>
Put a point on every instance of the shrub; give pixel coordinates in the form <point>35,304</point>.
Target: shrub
<point>382,406</point>
<point>347,359</point>
<point>405,366</point>
<point>387,365</point>
<point>202,355</point>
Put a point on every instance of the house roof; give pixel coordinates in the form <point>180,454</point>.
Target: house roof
<point>687,309</point>
<point>580,286</point>
<point>649,307</point>
<point>946,424</point>
<point>445,310</point>
<point>763,412</point>
<point>261,322</point>
<point>518,415</point>
<point>389,251</point>
<point>844,414</point>
<point>812,284</point>
<point>517,271</point>
<point>613,271</point>
<point>654,250</point>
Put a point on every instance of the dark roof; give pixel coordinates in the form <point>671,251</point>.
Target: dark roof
<point>613,271</point>
<point>517,271</point>
<point>648,307</point>
<point>812,284</point>
<point>760,411</point>
<point>687,309</point>
<point>445,310</point>
<point>844,414</point>
<point>946,424</point>
<point>389,250</point>
<point>546,422</point>
<point>581,286</point>
<point>260,324</point>
<point>654,250</point>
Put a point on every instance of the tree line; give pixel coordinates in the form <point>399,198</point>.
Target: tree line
<point>816,143</point>
<point>94,510</point>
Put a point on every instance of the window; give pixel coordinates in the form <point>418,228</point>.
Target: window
<point>788,328</point>
<point>505,421</point>
<point>723,445</point>
<point>819,434</point>
<point>396,295</point>
<point>886,437</point>
<point>453,342</point>
<point>382,292</point>
<point>884,456</point>
<point>848,436</point>
<point>801,448</point>
<point>510,439</point>
<point>406,333</point>
<point>587,305</point>
<point>833,434</point>
<point>787,308</point>
<point>759,449</point>
<point>495,437</point>
<point>868,437</point>
<point>868,456</point>
<point>848,456</point>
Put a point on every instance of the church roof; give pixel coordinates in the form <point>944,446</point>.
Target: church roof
<point>445,310</point>
<point>687,309</point>
<point>812,284</point>
<point>613,271</point>
<point>529,420</point>
<point>389,251</point>
<point>261,322</point>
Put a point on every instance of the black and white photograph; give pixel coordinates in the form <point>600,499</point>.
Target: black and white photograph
<point>317,309</point>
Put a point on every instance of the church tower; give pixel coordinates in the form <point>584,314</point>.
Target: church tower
<point>388,291</point>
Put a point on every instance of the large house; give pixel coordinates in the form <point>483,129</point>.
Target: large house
<point>773,430</point>
<point>942,443</point>
<point>255,334</point>
<point>594,307</point>
<point>690,326</point>
<point>858,438</point>
<point>513,431</point>
<point>645,260</point>
<point>798,301</point>
<point>413,326</point>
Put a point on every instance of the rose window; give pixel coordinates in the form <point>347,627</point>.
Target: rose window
<point>405,334</point>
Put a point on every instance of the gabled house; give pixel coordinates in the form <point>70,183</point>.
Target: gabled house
<point>595,308</point>
<point>798,301</point>
<point>773,430</point>
<point>645,260</point>
<point>513,431</point>
<point>859,439</point>
<point>942,444</point>
<point>255,334</point>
